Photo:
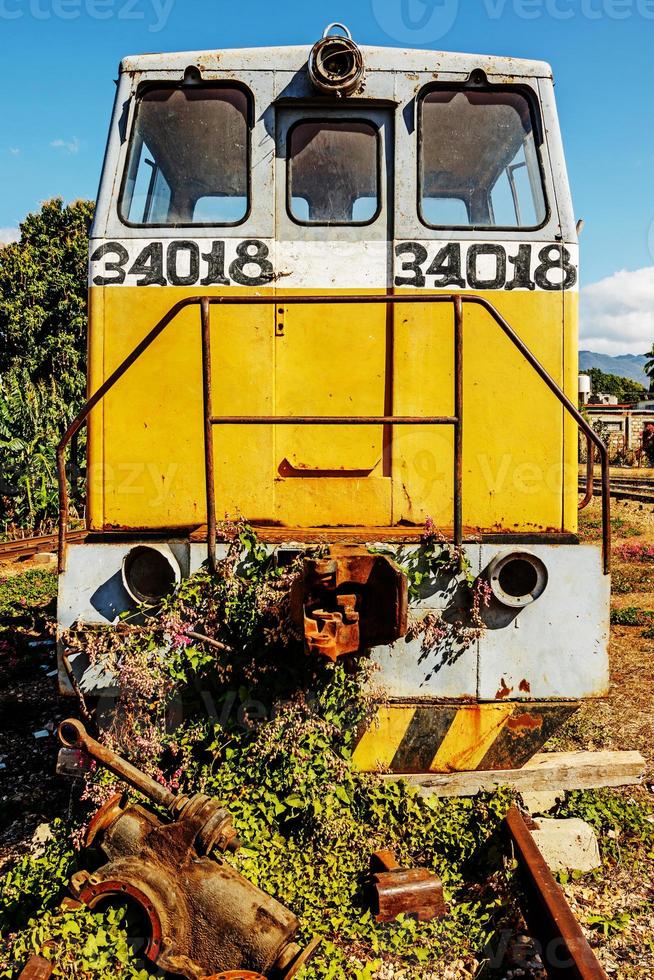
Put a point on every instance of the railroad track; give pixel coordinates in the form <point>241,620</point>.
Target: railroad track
<point>28,547</point>
<point>641,491</point>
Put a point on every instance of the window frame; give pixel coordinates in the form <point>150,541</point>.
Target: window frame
<point>537,128</point>
<point>379,164</point>
<point>149,86</point>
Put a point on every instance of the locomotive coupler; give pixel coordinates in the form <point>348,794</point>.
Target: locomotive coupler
<point>349,601</point>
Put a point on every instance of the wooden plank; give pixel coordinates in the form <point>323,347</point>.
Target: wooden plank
<point>547,771</point>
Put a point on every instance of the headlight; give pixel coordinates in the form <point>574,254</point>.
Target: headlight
<point>149,574</point>
<point>517,579</point>
<point>336,63</point>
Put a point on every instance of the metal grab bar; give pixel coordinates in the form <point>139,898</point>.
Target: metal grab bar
<point>590,475</point>
<point>456,420</point>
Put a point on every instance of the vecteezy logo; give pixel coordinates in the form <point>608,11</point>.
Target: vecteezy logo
<point>416,21</point>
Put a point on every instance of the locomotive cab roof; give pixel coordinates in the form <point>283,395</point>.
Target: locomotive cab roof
<point>377,59</point>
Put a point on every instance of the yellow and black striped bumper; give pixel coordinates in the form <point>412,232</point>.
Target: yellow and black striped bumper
<point>411,738</point>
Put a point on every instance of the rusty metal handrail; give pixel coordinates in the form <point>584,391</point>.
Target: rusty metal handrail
<point>456,420</point>
<point>590,475</point>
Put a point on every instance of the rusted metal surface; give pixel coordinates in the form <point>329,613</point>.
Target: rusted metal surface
<point>336,63</point>
<point>349,601</point>
<point>37,969</point>
<point>458,301</point>
<point>217,830</point>
<point>198,916</point>
<point>208,433</point>
<point>27,547</point>
<point>398,891</point>
<point>590,475</point>
<point>566,953</point>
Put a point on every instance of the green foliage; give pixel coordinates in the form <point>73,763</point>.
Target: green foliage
<point>36,587</point>
<point>618,819</point>
<point>34,883</point>
<point>276,745</point>
<point>626,390</point>
<point>631,616</point>
<point>43,290</point>
<point>80,945</point>
<point>609,925</point>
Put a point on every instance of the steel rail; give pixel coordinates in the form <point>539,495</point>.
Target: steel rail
<point>456,420</point>
<point>25,547</point>
<point>564,950</point>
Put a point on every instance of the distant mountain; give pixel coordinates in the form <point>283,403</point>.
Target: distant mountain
<point>624,365</point>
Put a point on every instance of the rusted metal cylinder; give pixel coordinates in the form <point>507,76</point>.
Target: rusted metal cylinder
<point>216,829</point>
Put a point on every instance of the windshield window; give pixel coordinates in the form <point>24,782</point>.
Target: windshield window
<point>188,160</point>
<point>333,173</point>
<point>479,165</point>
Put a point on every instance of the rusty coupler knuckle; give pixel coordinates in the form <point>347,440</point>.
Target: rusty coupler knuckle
<point>349,601</point>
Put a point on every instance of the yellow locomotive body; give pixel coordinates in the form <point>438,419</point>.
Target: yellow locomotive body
<point>335,219</point>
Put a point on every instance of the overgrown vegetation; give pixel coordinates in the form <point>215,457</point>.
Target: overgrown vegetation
<point>270,731</point>
<point>42,356</point>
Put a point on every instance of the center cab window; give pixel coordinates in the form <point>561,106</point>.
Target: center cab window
<point>479,162</point>
<point>334,172</point>
<point>189,158</point>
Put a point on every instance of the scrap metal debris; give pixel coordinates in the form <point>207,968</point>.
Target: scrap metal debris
<point>399,891</point>
<point>199,916</point>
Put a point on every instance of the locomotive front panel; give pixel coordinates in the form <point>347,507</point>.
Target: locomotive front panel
<point>439,176</point>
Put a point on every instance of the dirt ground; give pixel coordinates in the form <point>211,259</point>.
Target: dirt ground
<point>624,897</point>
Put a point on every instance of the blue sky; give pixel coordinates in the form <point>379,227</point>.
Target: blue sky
<point>59,59</point>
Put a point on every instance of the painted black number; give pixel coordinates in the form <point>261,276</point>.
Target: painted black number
<point>252,252</point>
<point>215,260</point>
<point>522,269</point>
<point>149,265</point>
<point>496,252</point>
<point>118,267</point>
<point>447,267</point>
<point>172,260</point>
<point>555,257</point>
<point>419,253</point>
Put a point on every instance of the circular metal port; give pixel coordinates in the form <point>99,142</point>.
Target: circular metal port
<point>149,574</point>
<point>517,579</point>
<point>336,63</point>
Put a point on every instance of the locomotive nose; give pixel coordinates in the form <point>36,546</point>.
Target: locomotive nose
<point>336,62</point>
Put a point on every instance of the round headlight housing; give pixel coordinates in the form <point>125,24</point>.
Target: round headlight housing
<point>149,574</point>
<point>336,62</point>
<point>517,579</point>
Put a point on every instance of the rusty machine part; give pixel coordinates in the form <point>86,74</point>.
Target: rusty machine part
<point>336,62</point>
<point>563,948</point>
<point>197,915</point>
<point>37,968</point>
<point>397,891</point>
<point>215,823</point>
<point>349,601</point>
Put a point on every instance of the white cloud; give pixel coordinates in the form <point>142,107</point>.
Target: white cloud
<point>70,146</point>
<point>9,235</point>
<point>617,313</point>
<point>15,151</point>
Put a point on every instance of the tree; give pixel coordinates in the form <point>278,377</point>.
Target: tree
<point>43,321</point>
<point>649,366</point>
<point>43,296</point>
<point>626,390</point>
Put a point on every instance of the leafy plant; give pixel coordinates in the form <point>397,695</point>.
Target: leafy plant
<point>630,616</point>
<point>36,587</point>
<point>42,356</point>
